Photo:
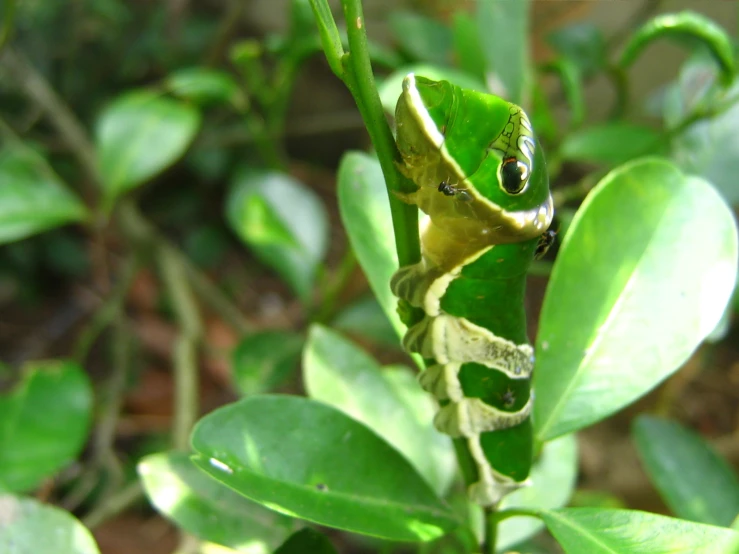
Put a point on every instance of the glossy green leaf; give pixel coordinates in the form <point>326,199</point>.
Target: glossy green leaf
<point>32,197</point>
<point>283,222</point>
<point>140,134</point>
<point>202,506</point>
<point>503,27</point>
<point>203,85</point>
<point>610,143</point>
<point>365,318</point>
<point>365,213</point>
<point>396,408</point>
<point>307,541</point>
<point>392,86</point>
<point>308,460</point>
<point>695,483</point>
<point>43,423</point>
<point>583,43</point>
<point>643,276</point>
<point>597,531</point>
<point>553,479</point>
<point>422,38</point>
<point>28,526</point>
<point>684,25</point>
<point>264,360</point>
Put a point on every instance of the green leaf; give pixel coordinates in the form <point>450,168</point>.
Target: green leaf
<point>365,213</point>
<point>203,85</point>
<point>366,319</point>
<point>642,277</point>
<point>306,541</point>
<point>202,506</point>
<point>43,423</point>
<point>392,85</point>
<point>684,25</point>
<point>139,135</point>
<point>553,480</point>
<point>468,46</point>
<point>396,408</point>
<point>29,527</point>
<point>264,360</point>
<point>503,27</point>
<point>423,38</point>
<point>695,483</point>
<point>571,78</point>
<point>283,222</point>
<point>308,460</point>
<point>598,531</point>
<point>610,143</point>
<point>710,147</point>
<point>32,197</point>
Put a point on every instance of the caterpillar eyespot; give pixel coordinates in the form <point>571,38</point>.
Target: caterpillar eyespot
<point>468,286</point>
<point>514,175</point>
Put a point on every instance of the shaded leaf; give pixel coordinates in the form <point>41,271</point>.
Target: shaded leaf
<point>32,197</point>
<point>29,527</point>
<point>643,276</point>
<point>307,541</point>
<point>43,423</point>
<point>283,222</point>
<point>203,85</point>
<point>610,143</point>
<point>504,34</point>
<point>365,318</point>
<point>423,38</point>
<point>310,461</point>
<point>264,360</point>
<point>553,479</point>
<point>391,403</point>
<point>695,483</point>
<point>202,506</point>
<point>365,213</point>
<point>140,134</point>
<point>583,43</point>
<point>598,531</point>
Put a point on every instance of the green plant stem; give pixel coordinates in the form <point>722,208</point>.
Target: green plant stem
<point>334,288</point>
<point>360,80</point>
<point>184,356</point>
<point>513,512</point>
<point>116,503</point>
<point>108,311</point>
<point>38,90</point>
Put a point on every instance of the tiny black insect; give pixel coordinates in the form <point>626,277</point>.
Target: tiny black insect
<point>448,189</point>
<point>546,240</point>
<point>509,399</point>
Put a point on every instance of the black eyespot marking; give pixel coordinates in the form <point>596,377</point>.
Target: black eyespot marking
<point>514,175</point>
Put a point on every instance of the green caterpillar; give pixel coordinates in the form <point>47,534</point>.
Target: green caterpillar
<point>483,184</point>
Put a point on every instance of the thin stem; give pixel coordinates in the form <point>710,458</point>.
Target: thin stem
<point>361,83</point>
<point>38,89</point>
<point>185,349</point>
<point>114,504</point>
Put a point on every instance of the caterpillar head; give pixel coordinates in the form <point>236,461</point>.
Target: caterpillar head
<point>475,159</point>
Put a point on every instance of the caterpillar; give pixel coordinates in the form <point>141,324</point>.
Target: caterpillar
<point>483,185</point>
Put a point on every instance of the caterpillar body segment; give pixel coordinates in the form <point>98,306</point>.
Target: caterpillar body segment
<point>483,186</point>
